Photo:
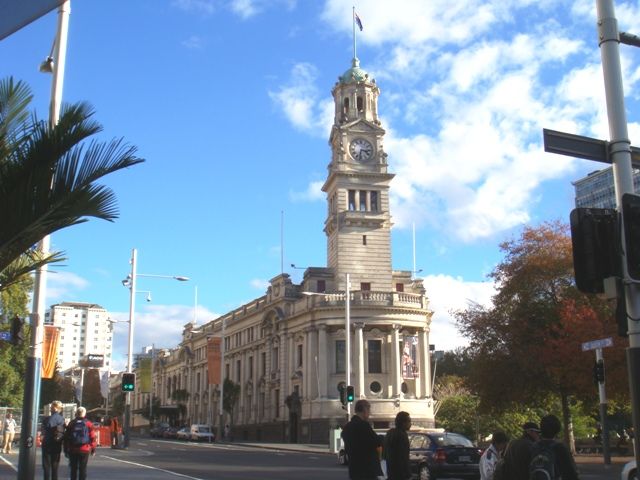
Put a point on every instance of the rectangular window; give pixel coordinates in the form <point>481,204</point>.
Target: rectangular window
<point>352,200</point>
<point>340,355</point>
<point>365,286</point>
<point>364,239</point>
<point>275,360</point>
<point>276,395</point>
<point>374,201</point>
<point>299,355</point>
<point>198,382</point>
<point>250,367</point>
<point>263,360</point>
<point>374,355</point>
<point>399,287</point>
<point>322,286</point>
<point>238,371</point>
<point>363,201</point>
<point>226,371</point>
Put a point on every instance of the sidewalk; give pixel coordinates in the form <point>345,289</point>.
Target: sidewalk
<point>289,447</point>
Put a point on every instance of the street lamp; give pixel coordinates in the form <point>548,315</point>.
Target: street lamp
<point>130,283</point>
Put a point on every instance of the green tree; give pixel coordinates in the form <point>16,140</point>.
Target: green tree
<point>91,394</point>
<point>56,388</point>
<point>48,176</point>
<point>230,397</point>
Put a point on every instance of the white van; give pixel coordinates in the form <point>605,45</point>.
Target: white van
<point>202,433</point>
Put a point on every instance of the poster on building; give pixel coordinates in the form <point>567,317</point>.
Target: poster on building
<point>214,359</point>
<point>50,350</point>
<point>410,357</point>
<point>144,374</point>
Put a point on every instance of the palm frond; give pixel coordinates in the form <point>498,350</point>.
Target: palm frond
<point>26,263</point>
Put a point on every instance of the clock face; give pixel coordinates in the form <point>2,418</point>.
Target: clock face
<point>361,149</point>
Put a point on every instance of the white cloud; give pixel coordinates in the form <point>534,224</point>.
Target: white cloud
<point>244,8</point>
<point>199,6</point>
<point>64,286</point>
<point>260,284</point>
<point>446,295</point>
<point>194,42</point>
<point>312,193</point>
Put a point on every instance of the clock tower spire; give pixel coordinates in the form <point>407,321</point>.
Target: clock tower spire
<point>358,224</point>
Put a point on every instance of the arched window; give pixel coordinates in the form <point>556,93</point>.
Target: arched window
<point>360,104</point>
<point>345,108</point>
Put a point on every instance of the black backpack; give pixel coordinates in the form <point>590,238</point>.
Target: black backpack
<point>543,461</point>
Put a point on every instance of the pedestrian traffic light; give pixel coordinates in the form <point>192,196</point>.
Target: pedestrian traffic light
<point>350,394</point>
<point>596,255</point>
<point>17,330</point>
<point>128,382</point>
<point>598,372</point>
<point>631,221</point>
<point>343,394</point>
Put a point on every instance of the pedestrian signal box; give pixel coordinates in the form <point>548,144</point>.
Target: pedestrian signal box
<point>631,219</point>
<point>350,394</point>
<point>128,382</point>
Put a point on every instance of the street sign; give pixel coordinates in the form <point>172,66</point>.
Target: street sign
<point>94,360</point>
<point>593,344</point>
<point>6,336</point>
<point>582,147</point>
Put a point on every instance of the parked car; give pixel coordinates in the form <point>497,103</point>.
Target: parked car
<point>170,433</point>
<point>436,454</point>
<point>158,430</point>
<point>629,472</point>
<point>183,434</point>
<point>202,433</point>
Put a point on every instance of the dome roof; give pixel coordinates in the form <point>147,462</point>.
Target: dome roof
<point>355,74</point>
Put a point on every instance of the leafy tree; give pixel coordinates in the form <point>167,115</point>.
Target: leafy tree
<point>56,388</point>
<point>531,335</point>
<point>231,395</point>
<point>91,394</point>
<point>47,176</point>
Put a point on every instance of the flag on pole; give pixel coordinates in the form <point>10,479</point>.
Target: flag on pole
<point>358,21</point>
<point>104,383</point>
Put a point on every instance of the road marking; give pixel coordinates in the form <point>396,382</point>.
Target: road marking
<point>153,468</point>
<point>15,469</point>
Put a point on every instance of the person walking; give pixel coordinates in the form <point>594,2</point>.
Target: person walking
<point>79,443</point>
<point>396,448</point>
<point>8,433</point>
<point>551,458</point>
<point>517,455</point>
<point>115,428</point>
<point>52,435</point>
<point>361,444</point>
<point>491,455</point>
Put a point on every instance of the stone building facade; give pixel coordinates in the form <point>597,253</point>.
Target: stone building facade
<point>286,350</point>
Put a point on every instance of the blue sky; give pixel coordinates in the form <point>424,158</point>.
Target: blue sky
<point>229,102</point>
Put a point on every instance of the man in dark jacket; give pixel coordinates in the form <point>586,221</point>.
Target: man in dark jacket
<point>51,438</point>
<point>517,455</point>
<point>79,443</point>
<point>362,445</point>
<point>564,465</point>
<point>396,449</point>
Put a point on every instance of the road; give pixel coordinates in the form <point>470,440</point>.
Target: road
<point>173,460</point>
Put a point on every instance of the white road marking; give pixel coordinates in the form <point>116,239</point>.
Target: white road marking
<point>153,468</point>
<point>15,469</point>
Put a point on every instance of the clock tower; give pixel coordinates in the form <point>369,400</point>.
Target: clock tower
<point>358,224</point>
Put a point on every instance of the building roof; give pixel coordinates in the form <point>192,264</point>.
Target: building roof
<point>355,74</point>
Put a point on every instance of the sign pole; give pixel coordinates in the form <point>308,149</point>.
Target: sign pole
<point>606,452</point>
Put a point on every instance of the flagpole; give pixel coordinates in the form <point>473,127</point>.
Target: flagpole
<point>353,21</point>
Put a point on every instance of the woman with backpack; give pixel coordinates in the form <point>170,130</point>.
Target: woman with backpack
<point>51,438</point>
<point>79,443</point>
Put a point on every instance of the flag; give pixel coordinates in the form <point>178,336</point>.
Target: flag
<point>104,383</point>
<point>144,374</point>
<point>214,358</point>
<point>50,344</point>
<point>358,21</point>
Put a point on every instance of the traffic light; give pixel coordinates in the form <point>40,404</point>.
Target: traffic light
<point>596,256</point>
<point>17,330</point>
<point>598,372</point>
<point>350,394</point>
<point>631,221</point>
<point>128,382</point>
<point>343,394</point>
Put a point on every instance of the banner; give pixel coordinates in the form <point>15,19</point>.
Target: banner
<point>19,13</point>
<point>104,383</point>
<point>410,358</point>
<point>144,374</point>
<point>214,359</point>
<point>50,350</point>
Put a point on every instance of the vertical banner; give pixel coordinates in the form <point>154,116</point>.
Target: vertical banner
<point>104,383</point>
<point>214,359</point>
<point>50,350</point>
<point>144,374</point>
<point>410,358</point>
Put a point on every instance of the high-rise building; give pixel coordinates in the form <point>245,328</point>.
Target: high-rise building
<point>85,328</point>
<point>596,190</point>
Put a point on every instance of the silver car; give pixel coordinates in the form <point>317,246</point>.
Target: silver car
<point>629,472</point>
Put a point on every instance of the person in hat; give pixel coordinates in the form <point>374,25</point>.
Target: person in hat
<point>517,455</point>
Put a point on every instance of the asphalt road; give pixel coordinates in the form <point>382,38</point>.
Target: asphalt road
<point>172,460</point>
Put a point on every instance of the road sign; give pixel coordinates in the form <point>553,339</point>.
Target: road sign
<point>6,336</point>
<point>593,344</point>
<point>582,147</point>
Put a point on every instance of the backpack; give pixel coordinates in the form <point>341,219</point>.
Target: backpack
<point>79,434</point>
<point>58,433</point>
<point>543,461</point>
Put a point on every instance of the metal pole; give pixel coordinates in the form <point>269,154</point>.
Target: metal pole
<point>620,151</point>
<point>221,404</point>
<point>347,339</point>
<point>153,349</point>
<point>606,453</point>
<point>132,311</point>
<point>81,386</point>
<point>29,423</point>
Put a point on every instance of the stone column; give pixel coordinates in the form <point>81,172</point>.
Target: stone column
<point>360,389</point>
<point>322,360</point>
<point>290,367</point>
<point>396,376</point>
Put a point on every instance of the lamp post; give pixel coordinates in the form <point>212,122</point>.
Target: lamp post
<point>130,282</point>
<point>347,337</point>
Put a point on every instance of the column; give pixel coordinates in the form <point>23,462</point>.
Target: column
<point>425,365</point>
<point>256,376</point>
<point>287,368</point>
<point>360,389</point>
<point>396,377</point>
<point>322,360</point>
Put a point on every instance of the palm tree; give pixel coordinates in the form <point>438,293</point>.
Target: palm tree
<point>48,177</point>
